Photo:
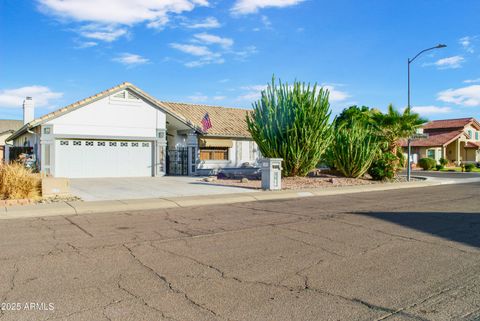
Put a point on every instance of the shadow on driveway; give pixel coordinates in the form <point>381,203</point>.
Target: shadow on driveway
<point>453,226</point>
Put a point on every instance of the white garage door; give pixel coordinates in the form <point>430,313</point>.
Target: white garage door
<point>98,158</point>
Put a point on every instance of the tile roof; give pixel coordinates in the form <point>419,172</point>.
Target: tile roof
<point>225,121</point>
<point>10,125</point>
<point>450,123</point>
<point>472,145</point>
<point>435,139</point>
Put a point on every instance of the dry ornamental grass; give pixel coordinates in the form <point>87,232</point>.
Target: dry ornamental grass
<point>18,182</point>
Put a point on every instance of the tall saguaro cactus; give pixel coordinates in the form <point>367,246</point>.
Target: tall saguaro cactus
<point>293,123</point>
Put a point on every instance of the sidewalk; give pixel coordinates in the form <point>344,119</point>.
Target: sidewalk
<point>77,207</point>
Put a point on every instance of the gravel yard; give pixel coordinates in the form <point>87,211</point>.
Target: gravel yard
<point>323,180</point>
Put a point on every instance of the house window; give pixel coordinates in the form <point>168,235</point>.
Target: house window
<point>476,135</point>
<point>470,133</point>
<point>431,153</point>
<point>213,153</point>
<point>47,130</point>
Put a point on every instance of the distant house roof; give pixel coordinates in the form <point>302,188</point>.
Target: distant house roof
<point>451,123</point>
<point>435,139</point>
<point>10,125</point>
<point>443,132</point>
<point>225,121</point>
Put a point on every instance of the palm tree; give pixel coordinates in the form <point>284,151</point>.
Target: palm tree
<point>394,126</point>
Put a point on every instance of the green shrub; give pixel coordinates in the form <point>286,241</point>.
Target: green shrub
<point>293,123</point>
<point>427,163</point>
<point>384,167</point>
<point>443,161</point>
<point>439,167</point>
<point>353,149</point>
<point>469,167</point>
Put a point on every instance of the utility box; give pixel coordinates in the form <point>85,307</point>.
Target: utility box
<point>271,174</point>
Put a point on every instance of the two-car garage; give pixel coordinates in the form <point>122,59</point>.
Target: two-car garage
<point>80,158</point>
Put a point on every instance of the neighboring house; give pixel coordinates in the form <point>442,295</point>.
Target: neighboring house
<point>457,140</point>
<point>7,128</point>
<point>125,132</point>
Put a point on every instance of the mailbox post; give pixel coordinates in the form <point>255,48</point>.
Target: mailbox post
<point>271,174</point>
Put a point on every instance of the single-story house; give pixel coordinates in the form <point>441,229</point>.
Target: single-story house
<point>7,128</point>
<point>125,132</point>
<point>457,140</point>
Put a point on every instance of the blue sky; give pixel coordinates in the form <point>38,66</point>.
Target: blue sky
<point>223,52</point>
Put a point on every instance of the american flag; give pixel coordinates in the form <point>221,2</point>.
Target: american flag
<point>206,123</point>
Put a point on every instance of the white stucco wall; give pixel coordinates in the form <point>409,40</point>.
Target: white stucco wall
<point>111,117</point>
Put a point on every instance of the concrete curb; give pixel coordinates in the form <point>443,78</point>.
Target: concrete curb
<point>77,208</point>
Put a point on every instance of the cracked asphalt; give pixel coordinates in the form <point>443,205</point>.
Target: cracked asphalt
<point>410,254</point>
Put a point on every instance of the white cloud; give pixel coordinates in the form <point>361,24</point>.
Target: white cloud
<point>245,52</point>
<point>453,62</point>
<point>192,49</point>
<point>252,6</point>
<point>252,92</point>
<point>107,33</point>
<point>466,43</point>
<point>130,59</point>
<point>219,97</point>
<point>42,96</point>
<point>335,94</point>
<point>467,96</point>
<point>431,110</point>
<point>207,23</point>
<point>117,15</point>
<point>206,55</point>
<point>213,39</point>
<point>86,44</point>
<point>471,81</point>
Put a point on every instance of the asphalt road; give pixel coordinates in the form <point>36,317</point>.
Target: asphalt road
<point>449,175</point>
<point>410,254</point>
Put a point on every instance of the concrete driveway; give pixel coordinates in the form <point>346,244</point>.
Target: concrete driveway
<point>102,189</point>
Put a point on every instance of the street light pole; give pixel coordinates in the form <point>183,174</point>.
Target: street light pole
<point>409,61</point>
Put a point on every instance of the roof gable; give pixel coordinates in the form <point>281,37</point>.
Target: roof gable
<point>137,92</point>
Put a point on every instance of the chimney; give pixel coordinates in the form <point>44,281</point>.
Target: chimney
<point>28,110</point>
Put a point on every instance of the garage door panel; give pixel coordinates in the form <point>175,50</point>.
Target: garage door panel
<point>95,158</point>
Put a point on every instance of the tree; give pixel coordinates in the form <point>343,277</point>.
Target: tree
<point>293,123</point>
<point>393,126</point>
<point>361,115</point>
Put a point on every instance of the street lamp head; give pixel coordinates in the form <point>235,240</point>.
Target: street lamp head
<point>441,46</point>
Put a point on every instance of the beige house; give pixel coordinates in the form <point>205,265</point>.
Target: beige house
<point>457,140</point>
<point>7,127</point>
